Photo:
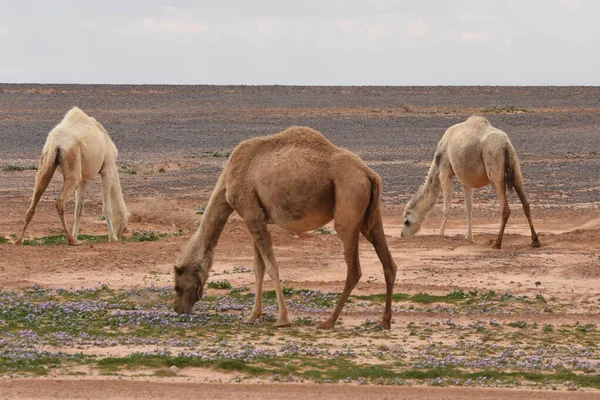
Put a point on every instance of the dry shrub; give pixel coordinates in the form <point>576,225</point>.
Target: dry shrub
<point>405,108</point>
<point>162,210</point>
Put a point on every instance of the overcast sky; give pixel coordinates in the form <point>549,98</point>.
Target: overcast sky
<point>302,42</point>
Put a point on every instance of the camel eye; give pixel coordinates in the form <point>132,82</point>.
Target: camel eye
<point>178,289</point>
<point>407,223</point>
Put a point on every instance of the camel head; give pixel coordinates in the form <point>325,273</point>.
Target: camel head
<point>411,220</point>
<point>120,219</point>
<point>189,285</point>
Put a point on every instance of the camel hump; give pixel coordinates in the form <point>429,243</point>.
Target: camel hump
<point>476,121</point>
<point>74,115</point>
<point>303,135</point>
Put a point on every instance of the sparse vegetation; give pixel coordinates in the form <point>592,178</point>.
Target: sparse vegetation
<point>161,210</point>
<point>222,284</point>
<point>505,110</point>
<point>15,168</point>
<point>37,325</point>
<point>4,240</point>
<point>211,153</point>
<point>324,230</point>
<point>127,170</point>
<point>53,240</point>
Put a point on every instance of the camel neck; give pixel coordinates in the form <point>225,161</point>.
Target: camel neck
<point>200,248</point>
<point>429,192</point>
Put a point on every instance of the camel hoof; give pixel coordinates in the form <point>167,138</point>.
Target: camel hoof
<point>386,325</point>
<point>282,324</point>
<point>74,243</point>
<point>326,325</point>
<point>535,243</point>
<point>18,242</point>
<point>251,320</point>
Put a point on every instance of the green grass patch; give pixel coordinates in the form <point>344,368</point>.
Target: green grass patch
<point>127,170</point>
<point>16,168</point>
<point>421,298</point>
<point>4,240</point>
<point>222,284</point>
<point>54,240</point>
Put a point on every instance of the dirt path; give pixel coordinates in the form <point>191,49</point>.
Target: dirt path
<point>25,389</point>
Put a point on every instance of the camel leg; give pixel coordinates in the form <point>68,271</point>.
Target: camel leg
<point>262,241</point>
<point>259,273</point>
<point>69,187</point>
<point>106,206</point>
<point>469,211</point>
<point>71,168</point>
<point>42,180</point>
<point>348,229</point>
<point>79,200</point>
<point>446,182</point>
<point>504,208</point>
<point>377,239</point>
<point>535,242</point>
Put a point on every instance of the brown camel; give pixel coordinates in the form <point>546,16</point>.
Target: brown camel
<point>478,154</point>
<point>298,180</point>
<point>80,148</point>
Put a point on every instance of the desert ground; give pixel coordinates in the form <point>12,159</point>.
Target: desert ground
<point>469,320</point>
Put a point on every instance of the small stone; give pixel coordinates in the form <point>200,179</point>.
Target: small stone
<point>174,369</point>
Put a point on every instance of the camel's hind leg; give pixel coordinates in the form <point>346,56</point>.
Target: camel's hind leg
<point>446,182</point>
<point>71,168</point>
<point>535,242</point>
<point>377,239</point>
<point>42,180</point>
<point>504,209</point>
<point>262,241</point>
<point>79,200</point>
<point>469,211</point>
<point>348,222</point>
<point>259,273</point>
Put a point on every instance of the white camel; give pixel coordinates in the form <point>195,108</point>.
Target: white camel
<point>477,154</point>
<point>80,148</point>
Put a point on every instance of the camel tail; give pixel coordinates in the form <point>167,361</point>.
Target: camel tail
<point>373,211</point>
<point>512,170</point>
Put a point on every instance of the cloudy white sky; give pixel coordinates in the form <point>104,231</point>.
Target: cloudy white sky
<point>302,42</point>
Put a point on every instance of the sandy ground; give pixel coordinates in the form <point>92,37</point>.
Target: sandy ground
<point>178,128</point>
<point>143,389</point>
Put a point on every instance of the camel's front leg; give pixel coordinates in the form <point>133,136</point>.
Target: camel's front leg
<point>446,182</point>
<point>262,241</point>
<point>79,200</point>
<point>106,206</point>
<point>259,273</point>
<point>468,210</point>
